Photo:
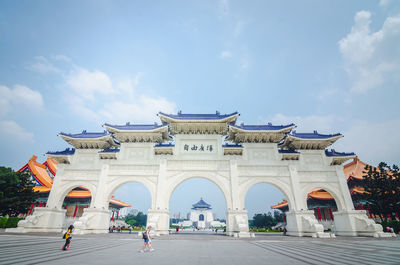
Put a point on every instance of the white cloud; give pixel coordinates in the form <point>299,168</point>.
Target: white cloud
<point>371,58</point>
<point>123,102</point>
<point>373,142</point>
<point>88,83</point>
<point>25,96</point>
<point>142,109</point>
<point>5,95</point>
<point>12,130</point>
<point>384,3</point>
<point>60,57</point>
<point>20,97</point>
<point>42,65</point>
<point>225,54</point>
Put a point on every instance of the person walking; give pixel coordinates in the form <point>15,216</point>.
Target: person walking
<point>147,240</point>
<point>68,237</point>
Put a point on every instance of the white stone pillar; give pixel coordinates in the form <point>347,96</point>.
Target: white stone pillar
<point>158,216</point>
<point>55,192</point>
<point>300,221</point>
<point>237,221</point>
<point>96,219</point>
<point>43,219</point>
<point>351,222</point>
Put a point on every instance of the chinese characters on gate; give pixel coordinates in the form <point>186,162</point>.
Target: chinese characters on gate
<point>198,148</point>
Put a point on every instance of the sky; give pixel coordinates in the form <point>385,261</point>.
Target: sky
<point>68,66</point>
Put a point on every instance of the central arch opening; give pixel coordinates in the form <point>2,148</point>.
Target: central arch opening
<point>197,205</point>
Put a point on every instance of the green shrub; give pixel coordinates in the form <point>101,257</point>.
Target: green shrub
<point>391,223</point>
<point>3,222</point>
<point>13,222</point>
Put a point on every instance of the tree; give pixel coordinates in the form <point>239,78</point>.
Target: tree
<point>382,186</point>
<point>16,192</point>
<point>278,216</point>
<point>263,221</point>
<point>139,219</point>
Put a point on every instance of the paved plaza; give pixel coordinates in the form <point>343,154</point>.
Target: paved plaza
<point>197,249</point>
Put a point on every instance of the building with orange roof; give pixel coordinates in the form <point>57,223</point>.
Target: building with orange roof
<point>76,200</point>
<point>323,203</point>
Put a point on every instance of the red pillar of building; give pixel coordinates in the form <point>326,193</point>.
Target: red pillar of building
<point>284,217</point>
<point>113,216</point>
<point>30,211</point>
<point>87,206</point>
<point>361,207</point>
<point>76,209</point>
<point>45,204</point>
<point>40,204</point>
<point>330,213</point>
<point>323,214</point>
<point>319,213</point>
<point>117,215</point>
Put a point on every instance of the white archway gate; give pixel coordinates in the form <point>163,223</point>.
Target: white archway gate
<point>290,161</point>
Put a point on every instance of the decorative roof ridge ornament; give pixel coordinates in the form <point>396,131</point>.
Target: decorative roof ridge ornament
<point>338,158</point>
<point>67,151</point>
<point>333,152</point>
<point>314,135</point>
<point>196,116</point>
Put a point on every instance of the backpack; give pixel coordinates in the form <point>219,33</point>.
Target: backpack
<point>65,235</point>
<point>144,235</point>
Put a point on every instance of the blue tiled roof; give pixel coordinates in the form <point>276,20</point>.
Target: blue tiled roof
<point>201,204</point>
<point>85,134</point>
<point>287,151</point>
<point>129,126</point>
<point>332,152</point>
<point>165,145</point>
<point>214,116</point>
<point>314,135</point>
<point>68,151</point>
<point>232,146</point>
<point>110,150</point>
<point>266,127</point>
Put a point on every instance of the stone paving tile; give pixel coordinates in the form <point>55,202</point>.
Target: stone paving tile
<point>196,249</point>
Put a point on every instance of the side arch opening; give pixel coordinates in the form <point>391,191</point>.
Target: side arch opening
<point>266,205</point>
<point>76,199</point>
<point>324,202</point>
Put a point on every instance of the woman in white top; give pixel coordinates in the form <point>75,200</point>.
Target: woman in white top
<point>147,240</point>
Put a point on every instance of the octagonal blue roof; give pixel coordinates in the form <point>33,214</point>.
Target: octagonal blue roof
<point>201,205</point>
